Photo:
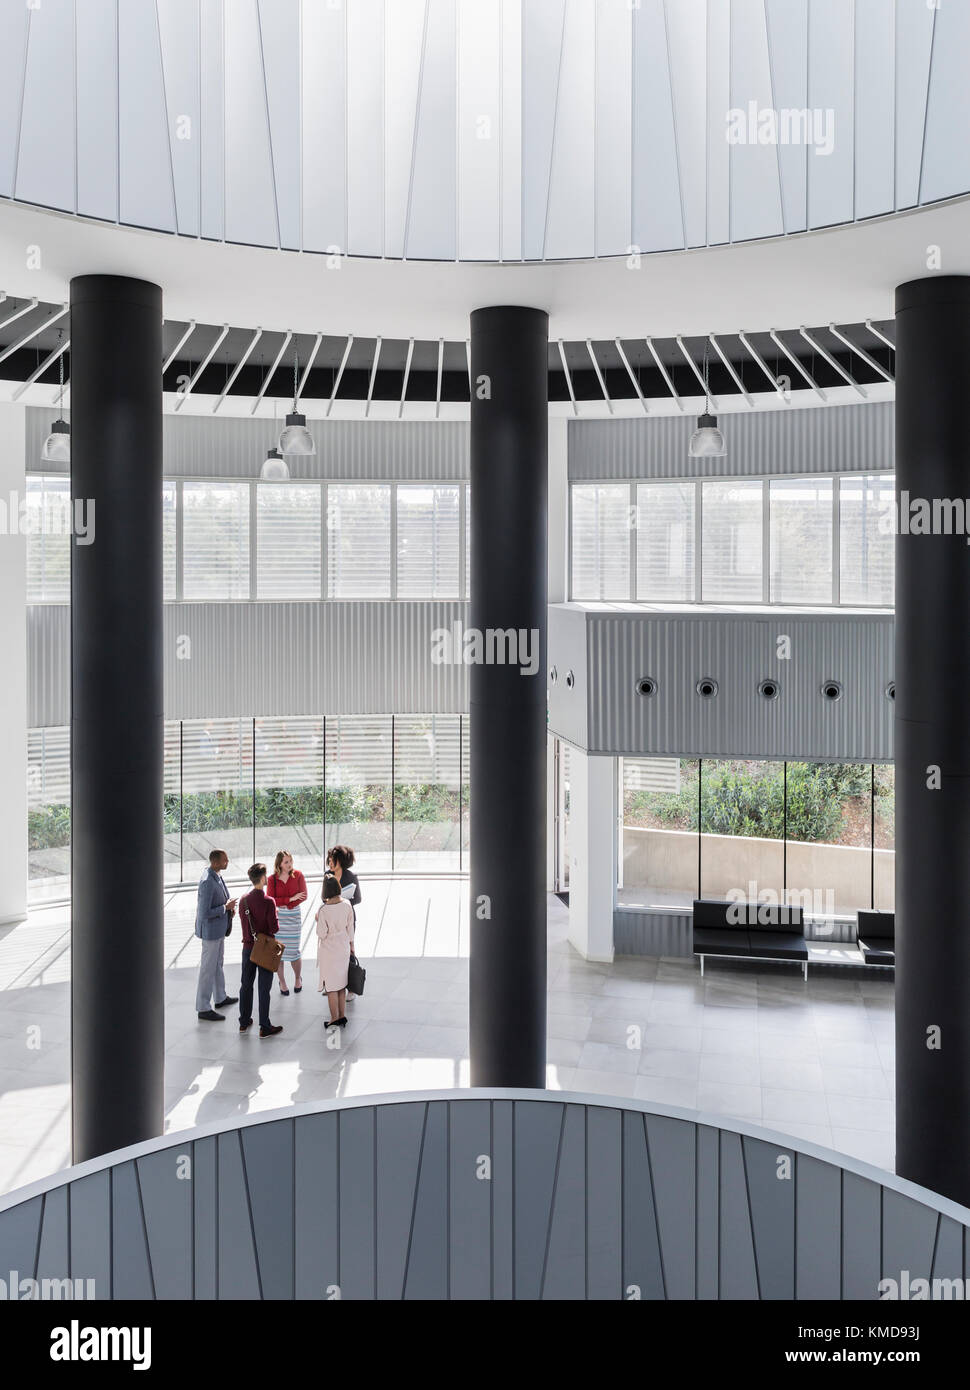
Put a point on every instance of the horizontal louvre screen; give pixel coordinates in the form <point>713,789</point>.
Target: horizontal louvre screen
<point>48,527</point>
<point>359,542</point>
<point>216,540</point>
<point>665,541</point>
<point>651,775</point>
<point>801,540</point>
<point>48,767</point>
<point>427,542</point>
<point>732,541</point>
<point>601,541</point>
<point>288,522</point>
<point>866,539</point>
<point>169,532</point>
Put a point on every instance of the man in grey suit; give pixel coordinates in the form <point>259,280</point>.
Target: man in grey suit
<point>213,918</point>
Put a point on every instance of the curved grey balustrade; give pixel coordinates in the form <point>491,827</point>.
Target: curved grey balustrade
<point>479,1195</point>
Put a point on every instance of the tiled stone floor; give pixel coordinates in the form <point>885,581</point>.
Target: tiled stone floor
<point>813,1060</point>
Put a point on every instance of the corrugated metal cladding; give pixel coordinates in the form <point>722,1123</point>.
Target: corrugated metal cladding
<point>229,447</point>
<point>835,439</point>
<point>274,658</point>
<point>738,652</point>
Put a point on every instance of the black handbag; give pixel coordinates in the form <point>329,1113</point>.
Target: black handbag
<point>356,975</point>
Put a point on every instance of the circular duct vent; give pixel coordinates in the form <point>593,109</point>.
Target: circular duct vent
<point>769,689</point>
<point>706,687</point>
<point>646,685</point>
<point>831,691</point>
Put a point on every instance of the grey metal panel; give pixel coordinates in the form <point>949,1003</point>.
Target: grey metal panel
<point>738,1270</point>
<point>564,1276</point>
<point>399,1148</point>
<point>637,933</point>
<point>672,1152</point>
<point>503,1200</point>
<point>269,1162</point>
<point>427,1270</point>
<point>358,1166</point>
<point>317,1204</point>
<point>842,439</point>
<point>386,669</point>
<point>738,650</point>
<point>19,1238</point>
<point>567,707</point>
<point>91,1231</point>
<point>205,1190</point>
<point>860,1237</point>
<point>771,1195</point>
<point>131,1268</point>
<point>166,1188</point>
<point>818,1236</point>
<point>53,1260</point>
<point>470,1211</point>
<point>948,1255</point>
<point>908,1237</point>
<point>707,1284</point>
<point>643,1276</point>
<point>538,1144</point>
<point>237,1254</point>
<point>604,1205</point>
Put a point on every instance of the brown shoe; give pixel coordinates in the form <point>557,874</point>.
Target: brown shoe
<point>271,1031</point>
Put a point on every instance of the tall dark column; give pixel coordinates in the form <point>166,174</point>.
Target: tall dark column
<point>932,742</point>
<point>117,739</point>
<point>507,708</point>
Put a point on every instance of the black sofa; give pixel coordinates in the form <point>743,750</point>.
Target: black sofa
<point>749,931</point>
<point>876,935</point>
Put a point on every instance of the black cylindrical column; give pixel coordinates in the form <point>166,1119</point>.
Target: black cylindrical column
<point>505,647</point>
<point>932,742</point>
<point>117,738</point>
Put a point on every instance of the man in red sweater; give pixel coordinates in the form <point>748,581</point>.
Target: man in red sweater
<point>257,913</point>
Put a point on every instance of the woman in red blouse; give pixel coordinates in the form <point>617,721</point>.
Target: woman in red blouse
<point>287,887</point>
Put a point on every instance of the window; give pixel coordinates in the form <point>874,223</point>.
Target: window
<point>169,542</point>
<point>48,526</point>
<point>731,545</point>
<point>359,782</point>
<point>358,541</point>
<point>884,825</point>
<point>172,801</point>
<point>601,541</point>
<point>289,791</point>
<point>468,540</point>
<point>288,540</point>
<point>427,542</point>
<point>659,838</point>
<point>215,540</point>
<point>829,837</point>
<point>48,812</point>
<point>866,539</point>
<point>427,790</point>
<point>665,541</point>
<point>742,829</point>
<point>800,510</point>
<point>217,793</point>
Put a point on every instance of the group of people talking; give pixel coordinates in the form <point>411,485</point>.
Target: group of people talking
<point>273,907</point>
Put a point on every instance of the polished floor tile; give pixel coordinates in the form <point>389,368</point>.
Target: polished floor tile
<point>813,1061</point>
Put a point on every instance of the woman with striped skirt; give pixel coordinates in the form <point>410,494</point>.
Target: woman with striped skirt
<point>287,887</point>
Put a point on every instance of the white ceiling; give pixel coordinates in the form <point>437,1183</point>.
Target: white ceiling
<point>844,275</point>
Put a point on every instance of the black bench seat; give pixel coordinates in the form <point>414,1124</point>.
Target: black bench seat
<point>751,931</point>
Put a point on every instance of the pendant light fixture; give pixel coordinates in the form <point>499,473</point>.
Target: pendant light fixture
<point>296,438</point>
<point>274,469</point>
<point>707,441</point>
<point>57,445</point>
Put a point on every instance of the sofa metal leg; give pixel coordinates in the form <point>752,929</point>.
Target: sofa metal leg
<point>805,970</point>
<point>702,966</point>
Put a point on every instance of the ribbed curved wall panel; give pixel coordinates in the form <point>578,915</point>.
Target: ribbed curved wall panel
<point>604,713</point>
<point>838,439</point>
<point>389,1198</point>
<point>347,450</point>
<point>242,659</point>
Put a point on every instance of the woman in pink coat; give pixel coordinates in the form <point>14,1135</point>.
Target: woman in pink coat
<point>335,943</point>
